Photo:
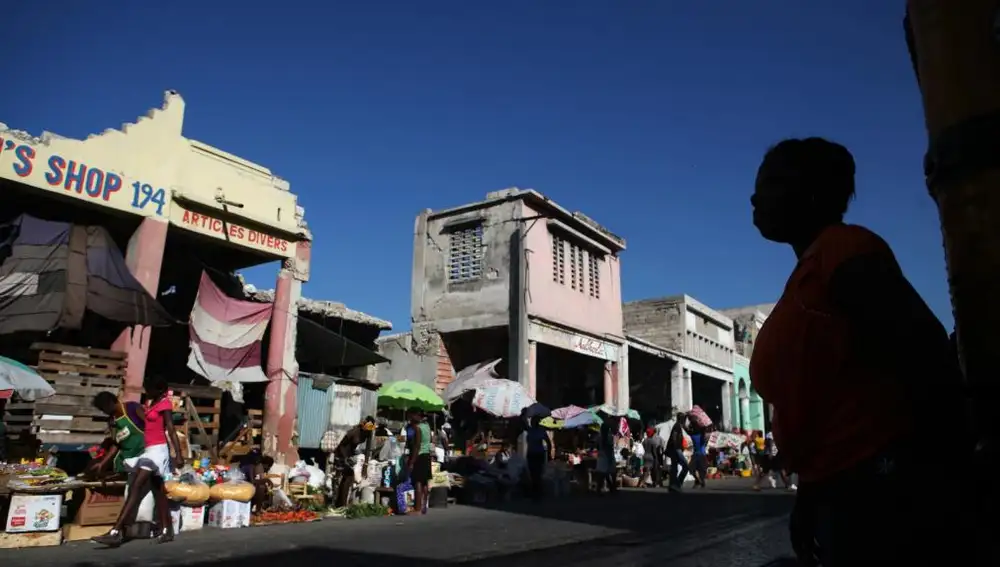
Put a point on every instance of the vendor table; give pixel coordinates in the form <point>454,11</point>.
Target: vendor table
<point>59,487</point>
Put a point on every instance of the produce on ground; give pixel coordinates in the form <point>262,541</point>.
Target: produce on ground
<point>283,517</point>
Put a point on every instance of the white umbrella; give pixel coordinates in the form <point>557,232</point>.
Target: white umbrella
<point>23,381</point>
<point>468,377</point>
<point>502,398</point>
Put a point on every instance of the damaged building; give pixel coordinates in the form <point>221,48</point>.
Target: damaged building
<point>169,221</point>
<point>520,278</point>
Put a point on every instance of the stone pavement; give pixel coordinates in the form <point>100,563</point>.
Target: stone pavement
<point>725,526</point>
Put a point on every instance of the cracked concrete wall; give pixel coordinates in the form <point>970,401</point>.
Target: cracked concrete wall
<point>659,321</point>
<point>413,356</point>
<point>449,306</point>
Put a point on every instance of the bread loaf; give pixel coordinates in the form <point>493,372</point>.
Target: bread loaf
<point>238,491</point>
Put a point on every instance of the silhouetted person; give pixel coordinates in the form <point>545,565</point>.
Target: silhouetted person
<point>852,360</point>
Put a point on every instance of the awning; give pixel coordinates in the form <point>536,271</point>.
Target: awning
<point>318,347</point>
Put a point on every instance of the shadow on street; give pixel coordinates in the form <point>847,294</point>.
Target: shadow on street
<point>635,527</point>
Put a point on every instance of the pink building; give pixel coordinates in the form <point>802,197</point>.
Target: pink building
<point>520,278</point>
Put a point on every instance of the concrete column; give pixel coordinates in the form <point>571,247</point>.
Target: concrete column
<point>532,369</point>
<point>280,400</point>
<point>144,258</point>
<point>688,390</point>
<point>745,414</point>
<point>623,378</point>
<point>611,383</point>
<point>677,387</point>
<point>727,404</point>
<point>517,324</point>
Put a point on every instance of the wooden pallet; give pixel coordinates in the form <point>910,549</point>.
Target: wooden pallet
<point>201,427</point>
<point>32,539</point>
<point>68,417</point>
<point>247,439</point>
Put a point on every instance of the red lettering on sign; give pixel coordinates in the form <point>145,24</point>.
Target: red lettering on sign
<point>234,231</point>
<point>592,346</point>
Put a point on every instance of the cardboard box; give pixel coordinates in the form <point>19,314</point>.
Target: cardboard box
<point>75,532</point>
<point>191,518</point>
<point>100,507</point>
<point>175,518</point>
<point>229,514</point>
<point>34,513</point>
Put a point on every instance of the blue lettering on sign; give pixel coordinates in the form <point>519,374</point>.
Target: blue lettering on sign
<point>143,194</point>
<point>80,178</point>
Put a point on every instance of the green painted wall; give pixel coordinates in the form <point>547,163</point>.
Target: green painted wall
<point>755,416</point>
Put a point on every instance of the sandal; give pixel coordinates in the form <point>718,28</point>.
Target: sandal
<point>165,537</point>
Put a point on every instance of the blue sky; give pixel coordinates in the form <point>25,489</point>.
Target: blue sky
<point>649,116</point>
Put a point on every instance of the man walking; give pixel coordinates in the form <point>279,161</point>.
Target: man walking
<point>675,450</point>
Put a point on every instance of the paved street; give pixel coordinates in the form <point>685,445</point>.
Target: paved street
<point>727,525</point>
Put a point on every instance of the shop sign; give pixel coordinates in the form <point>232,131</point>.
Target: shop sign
<point>587,345</point>
<point>225,230</point>
<point>30,165</point>
<point>572,341</point>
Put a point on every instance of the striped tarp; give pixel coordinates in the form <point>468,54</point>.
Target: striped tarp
<point>227,335</point>
<point>53,272</point>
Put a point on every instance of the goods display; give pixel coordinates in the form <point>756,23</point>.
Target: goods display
<point>240,491</point>
<point>31,474</point>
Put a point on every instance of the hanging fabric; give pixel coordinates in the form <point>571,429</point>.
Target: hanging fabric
<point>227,336</point>
<point>53,272</point>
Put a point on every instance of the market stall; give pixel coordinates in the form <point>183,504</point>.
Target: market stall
<point>38,497</point>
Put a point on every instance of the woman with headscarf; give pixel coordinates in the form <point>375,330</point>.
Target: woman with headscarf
<point>851,358</point>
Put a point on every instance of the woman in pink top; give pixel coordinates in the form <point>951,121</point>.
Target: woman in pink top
<point>151,467</point>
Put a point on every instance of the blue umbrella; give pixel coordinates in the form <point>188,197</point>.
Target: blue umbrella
<point>583,419</point>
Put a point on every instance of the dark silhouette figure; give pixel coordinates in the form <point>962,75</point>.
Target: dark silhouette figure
<point>853,361</point>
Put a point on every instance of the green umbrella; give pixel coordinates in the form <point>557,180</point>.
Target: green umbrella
<point>409,395</point>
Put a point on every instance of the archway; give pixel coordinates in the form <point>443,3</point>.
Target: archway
<point>744,405</point>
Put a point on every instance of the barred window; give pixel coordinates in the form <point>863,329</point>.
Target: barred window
<point>594,273</point>
<point>578,273</point>
<point>558,260</point>
<point>465,254</point>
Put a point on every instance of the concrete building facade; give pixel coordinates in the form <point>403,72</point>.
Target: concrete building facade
<point>749,410</point>
<point>149,182</point>
<point>518,277</point>
<point>696,344</point>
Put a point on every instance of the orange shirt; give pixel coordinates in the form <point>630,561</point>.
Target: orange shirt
<point>831,408</point>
